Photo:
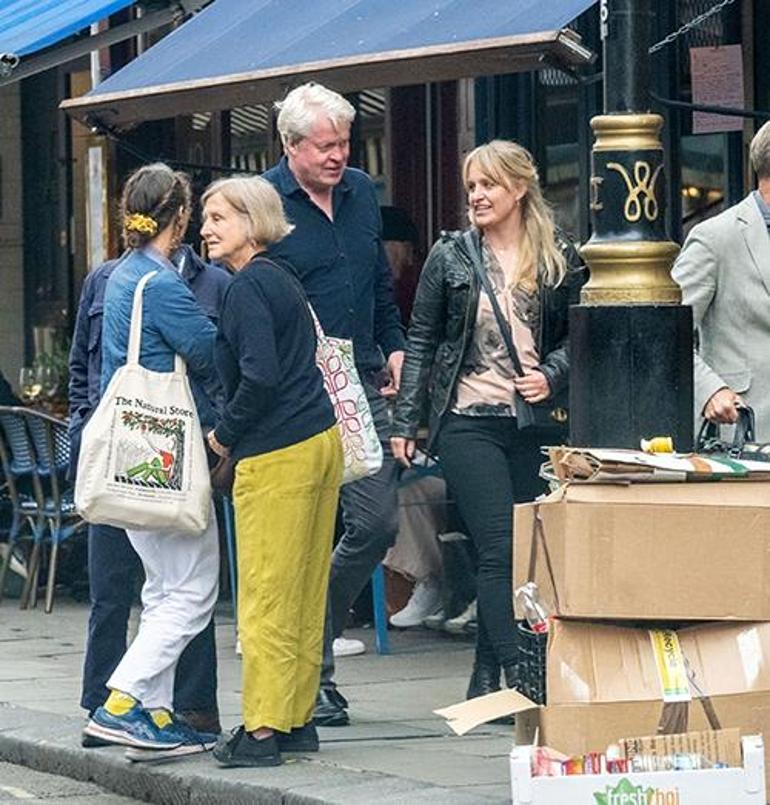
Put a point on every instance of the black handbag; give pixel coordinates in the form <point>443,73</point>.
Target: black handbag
<point>549,417</point>
<point>743,445</point>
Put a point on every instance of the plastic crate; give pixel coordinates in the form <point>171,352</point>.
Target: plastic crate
<point>532,651</point>
<point>731,786</point>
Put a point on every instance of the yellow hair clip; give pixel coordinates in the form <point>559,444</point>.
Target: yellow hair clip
<point>137,222</point>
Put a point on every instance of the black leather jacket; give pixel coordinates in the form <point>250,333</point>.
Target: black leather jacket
<point>441,329</point>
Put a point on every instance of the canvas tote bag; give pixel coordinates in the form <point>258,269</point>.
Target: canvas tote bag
<point>142,462</point>
<point>362,451</point>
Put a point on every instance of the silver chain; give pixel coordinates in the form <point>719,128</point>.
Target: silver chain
<point>688,26</point>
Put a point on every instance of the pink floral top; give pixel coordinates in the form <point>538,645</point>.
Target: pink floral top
<point>485,383</point>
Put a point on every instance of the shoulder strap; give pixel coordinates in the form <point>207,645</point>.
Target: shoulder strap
<point>503,325</point>
<point>300,292</point>
<point>135,331</point>
<point>135,327</point>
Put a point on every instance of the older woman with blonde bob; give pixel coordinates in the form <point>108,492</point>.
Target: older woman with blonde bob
<point>278,424</point>
<point>457,359</point>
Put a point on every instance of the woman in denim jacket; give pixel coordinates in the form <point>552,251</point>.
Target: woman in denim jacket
<point>181,572</point>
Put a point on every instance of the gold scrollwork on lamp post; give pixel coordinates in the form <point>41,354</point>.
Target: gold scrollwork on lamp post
<point>642,186</point>
<point>629,254</point>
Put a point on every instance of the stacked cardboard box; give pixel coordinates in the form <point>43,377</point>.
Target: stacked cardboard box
<point>648,557</point>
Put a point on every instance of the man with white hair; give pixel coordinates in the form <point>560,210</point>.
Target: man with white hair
<point>724,273</point>
<point>336,251</point>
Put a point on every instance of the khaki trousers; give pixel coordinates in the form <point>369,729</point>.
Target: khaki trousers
<point>285,509</point>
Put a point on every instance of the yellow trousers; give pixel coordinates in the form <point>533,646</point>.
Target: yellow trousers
<point>285,508</point>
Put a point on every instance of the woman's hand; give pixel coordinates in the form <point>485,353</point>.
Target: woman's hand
<point>533,387</point>
<point>218,448</point>
<point>403,450</point>
<point>395,362</point>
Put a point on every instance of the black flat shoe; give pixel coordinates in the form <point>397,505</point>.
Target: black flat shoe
<point>241,749</point>
<point>338,697</point>
<point>328,711</point>
<point>300,739</point>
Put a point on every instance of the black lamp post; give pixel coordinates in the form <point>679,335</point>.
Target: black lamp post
<point>630,337</point>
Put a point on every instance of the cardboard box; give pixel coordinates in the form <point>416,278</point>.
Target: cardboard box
<point>603,683</point>
<point>715,746</point>
<point>741,785</point>
<point>688,551</point>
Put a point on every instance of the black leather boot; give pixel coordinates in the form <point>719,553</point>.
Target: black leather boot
<point>511,674</point>
<point>484,679</point>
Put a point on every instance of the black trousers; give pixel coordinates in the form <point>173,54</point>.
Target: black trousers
<point>370,517</point>
<point>113,568</point>
<point>489,465</point>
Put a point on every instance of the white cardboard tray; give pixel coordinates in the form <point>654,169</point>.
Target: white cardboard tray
<point>733,786</point>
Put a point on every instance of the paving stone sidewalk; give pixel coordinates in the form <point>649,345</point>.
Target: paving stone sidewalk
<point>395,751</point>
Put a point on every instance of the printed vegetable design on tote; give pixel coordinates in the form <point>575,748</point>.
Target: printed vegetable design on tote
<point>150,451</point>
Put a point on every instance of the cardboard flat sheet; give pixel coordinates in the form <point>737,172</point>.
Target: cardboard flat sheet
<point>464,716</point>
<point>720,494</point>
<point>594,465</point>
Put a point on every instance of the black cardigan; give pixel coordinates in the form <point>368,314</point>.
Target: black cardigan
<point>265,355</point>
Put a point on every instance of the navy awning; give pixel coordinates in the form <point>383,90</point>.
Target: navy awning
<point>234,53</point>
<point>27,26</point>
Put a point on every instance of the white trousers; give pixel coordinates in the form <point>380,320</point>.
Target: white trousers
<point>178,599</point>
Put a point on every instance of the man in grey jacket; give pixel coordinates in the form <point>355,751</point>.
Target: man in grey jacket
<point>724,273</point>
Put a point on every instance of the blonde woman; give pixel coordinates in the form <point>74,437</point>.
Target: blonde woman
<point>457,358</point>
<point>278,424</point>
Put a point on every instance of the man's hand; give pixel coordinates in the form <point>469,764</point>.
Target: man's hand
<point>533,387</point>
<point>403,450</point>
<point>395,362</point>
<point>722,406</point>
<point>218,448</point>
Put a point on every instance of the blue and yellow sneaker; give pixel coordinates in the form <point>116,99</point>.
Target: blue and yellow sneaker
<point>188,742</point>
<point>134,728</point>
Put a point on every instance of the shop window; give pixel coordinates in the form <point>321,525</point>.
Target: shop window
<point>703,177</point>
<point>369,150</point>
<point>559,157</point>
<point>711,162</point>
<point>250,138</point>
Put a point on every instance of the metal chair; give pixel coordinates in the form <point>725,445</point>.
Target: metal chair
<point>52,450</point>
<point>380,612</point>
<point>24,492</point>
<point>379,602</point>
<point>228,516</point>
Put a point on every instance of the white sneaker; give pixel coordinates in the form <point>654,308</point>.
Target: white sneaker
<point>436,620</point>
<point>342,647</point>
<point>459,624</point>
<point>238,649</point>
<point>424,601</point>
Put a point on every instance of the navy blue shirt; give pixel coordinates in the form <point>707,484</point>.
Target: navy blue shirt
<point>265,354</point>
<point>341,263</point>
